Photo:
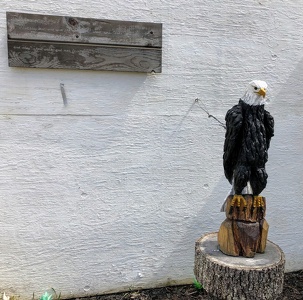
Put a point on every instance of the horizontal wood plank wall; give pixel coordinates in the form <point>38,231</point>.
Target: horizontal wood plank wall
<point>44,41</point>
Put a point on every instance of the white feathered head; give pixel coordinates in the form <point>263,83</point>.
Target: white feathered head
<point>255,93</point>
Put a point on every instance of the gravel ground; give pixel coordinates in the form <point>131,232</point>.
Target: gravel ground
<point>293,290</point>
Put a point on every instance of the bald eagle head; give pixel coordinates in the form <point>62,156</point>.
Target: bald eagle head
<point>255,93</point>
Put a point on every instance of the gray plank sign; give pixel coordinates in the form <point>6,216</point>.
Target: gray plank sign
<point>44,41</point>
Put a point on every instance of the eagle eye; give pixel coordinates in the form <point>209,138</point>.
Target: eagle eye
<point>256,88</point>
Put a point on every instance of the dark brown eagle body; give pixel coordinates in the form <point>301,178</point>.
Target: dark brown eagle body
<point>249,129</point>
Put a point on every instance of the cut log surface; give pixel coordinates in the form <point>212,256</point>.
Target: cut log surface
<point>238,278</point>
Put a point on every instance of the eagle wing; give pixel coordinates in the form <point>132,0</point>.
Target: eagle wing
<point>234,120</point>
<point>269,127</point>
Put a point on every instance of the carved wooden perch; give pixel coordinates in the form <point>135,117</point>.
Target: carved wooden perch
<point>244,231</point>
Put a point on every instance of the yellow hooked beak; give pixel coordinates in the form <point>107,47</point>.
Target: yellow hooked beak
<point>262,92</point>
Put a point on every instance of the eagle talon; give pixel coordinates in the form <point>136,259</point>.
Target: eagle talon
<point>236,202</point>
<point>258,202</point>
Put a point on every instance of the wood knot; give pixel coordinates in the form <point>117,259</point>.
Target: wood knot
<point>73,21</point>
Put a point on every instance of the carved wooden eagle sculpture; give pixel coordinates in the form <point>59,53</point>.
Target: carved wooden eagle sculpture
<point>249,129</point>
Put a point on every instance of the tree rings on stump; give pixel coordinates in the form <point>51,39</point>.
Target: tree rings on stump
<point>237,278</point>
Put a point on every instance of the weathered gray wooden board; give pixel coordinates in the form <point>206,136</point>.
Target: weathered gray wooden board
<point>83,57</point>
<point>45,41</point>
<point>83,30</point>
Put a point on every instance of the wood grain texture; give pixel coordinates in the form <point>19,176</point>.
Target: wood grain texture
<point>44,41</point>
<point>237,238</point>
<point>84,57</point>
<point>225,277</point>
<point>250,213</point>
<point>244,231</point>
<point>83,30</point>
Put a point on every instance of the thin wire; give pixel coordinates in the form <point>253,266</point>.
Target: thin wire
<point>197,101</point>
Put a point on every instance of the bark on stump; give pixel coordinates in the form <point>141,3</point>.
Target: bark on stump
<point>238,278</point>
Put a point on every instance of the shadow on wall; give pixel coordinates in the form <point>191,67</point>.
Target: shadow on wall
<point>285,153</point>
<point>288,101</point>
<point>285,185</point>
<point>87,92</point>
<point>180,261</point>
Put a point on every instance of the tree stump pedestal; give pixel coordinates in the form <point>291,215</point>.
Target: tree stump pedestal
<point>238,278</point>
